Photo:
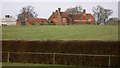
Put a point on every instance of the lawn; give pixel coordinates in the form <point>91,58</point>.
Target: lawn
<point>66,32</point>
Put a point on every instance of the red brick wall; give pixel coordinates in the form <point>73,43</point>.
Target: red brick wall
<point>64,20</point>
<point>55,20</point>
<point>18,23</point>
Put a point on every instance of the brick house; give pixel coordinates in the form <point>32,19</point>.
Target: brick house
<point>33,21</point>
<point>59,17</point>
<point>36,21</point>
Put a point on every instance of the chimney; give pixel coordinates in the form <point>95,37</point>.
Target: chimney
<point>59,9</point>
<point>7,16</point>
<point>84,11</point>
<point>56,11</point>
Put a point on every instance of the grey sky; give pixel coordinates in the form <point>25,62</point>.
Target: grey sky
<point>44,9</point>
<point>59,0</point>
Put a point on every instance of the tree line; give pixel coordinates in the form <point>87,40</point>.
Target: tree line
<point>100,13</point>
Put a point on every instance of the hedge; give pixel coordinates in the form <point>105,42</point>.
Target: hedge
<point>59,46</point>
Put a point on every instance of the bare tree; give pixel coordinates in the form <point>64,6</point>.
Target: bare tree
<point>106,14</point>
<point>74,10</point>
<point>101,14</point>
<point>27,12</point>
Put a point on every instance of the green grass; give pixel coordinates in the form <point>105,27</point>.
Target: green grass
<point>71,32</point>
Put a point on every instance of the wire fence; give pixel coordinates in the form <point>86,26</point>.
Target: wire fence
<point>54,55</point>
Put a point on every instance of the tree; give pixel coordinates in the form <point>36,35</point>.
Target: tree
<point>106,14</point>
<point>101,14</point>
<point>74,10</point>
<point>27,12</point>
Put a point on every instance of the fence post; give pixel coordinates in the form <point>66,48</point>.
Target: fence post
<point>8,57</point>
<point>109,61</point>
<point>53,58</point>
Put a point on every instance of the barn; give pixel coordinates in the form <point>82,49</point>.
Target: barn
<point>59,17</point>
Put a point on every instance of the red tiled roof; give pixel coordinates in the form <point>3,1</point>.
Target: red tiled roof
<point>75,16</point>
<point>64,14</point>
<point>54,14</point>
<point>35,19</point>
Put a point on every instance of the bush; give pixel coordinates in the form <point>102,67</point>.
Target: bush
<point>72,47</point>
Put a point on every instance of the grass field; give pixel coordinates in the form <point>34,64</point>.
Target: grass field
<point>71,32</point>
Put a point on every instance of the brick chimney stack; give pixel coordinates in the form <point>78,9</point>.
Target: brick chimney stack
<point>84,11</point>
<point>56,11</point>
<point>59,9</point>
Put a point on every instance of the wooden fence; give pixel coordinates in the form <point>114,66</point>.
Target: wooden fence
<point>68,54</point>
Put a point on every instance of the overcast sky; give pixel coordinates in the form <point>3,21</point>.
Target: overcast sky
<point>45,8</point>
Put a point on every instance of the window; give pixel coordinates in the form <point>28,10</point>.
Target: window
<point>89,20</point>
